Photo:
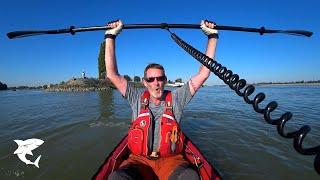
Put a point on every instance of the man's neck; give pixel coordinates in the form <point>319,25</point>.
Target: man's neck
<point>155,101</point>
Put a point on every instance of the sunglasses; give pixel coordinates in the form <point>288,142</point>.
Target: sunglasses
<point>151,79</point>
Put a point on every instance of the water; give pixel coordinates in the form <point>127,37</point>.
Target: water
<point>80,129</point>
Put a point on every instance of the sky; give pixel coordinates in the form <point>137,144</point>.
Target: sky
<point>45,59</point>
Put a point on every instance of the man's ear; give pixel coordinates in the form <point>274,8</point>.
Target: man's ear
<point>144,82</point>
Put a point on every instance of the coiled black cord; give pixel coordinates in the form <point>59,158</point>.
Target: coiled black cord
<point>236,84</point>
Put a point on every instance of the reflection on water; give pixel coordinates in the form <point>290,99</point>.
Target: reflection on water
<point>106,102</point>
<point>80,129</point>
<point>106,109</point>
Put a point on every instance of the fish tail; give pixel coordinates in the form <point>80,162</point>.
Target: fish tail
<point>36,162</point>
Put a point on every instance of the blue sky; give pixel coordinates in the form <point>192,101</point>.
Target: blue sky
<point>47,59</point>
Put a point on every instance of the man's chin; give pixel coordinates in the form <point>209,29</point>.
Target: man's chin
<point>156,95</point>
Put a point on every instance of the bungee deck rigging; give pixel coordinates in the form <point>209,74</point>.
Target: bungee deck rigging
<point>227,76</point>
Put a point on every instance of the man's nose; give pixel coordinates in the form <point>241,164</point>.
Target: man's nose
<point>156,81</point>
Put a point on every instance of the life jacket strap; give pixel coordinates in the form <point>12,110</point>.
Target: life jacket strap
<point>168,102</point>
<point>145,99</point>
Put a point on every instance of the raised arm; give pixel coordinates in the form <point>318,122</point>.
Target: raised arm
<point>110,58</point>
<point>196,81</point>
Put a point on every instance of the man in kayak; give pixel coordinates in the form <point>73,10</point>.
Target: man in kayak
<point>155,138</point>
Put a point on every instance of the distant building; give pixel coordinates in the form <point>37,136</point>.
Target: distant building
<point>84,74</point>
<point>175,84</point>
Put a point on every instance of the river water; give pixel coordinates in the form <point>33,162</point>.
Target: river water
<point>80,129</point>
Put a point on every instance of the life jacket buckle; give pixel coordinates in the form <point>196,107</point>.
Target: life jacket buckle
<point>168,106</point>
<point>154,155</point>
<point>144,103</point>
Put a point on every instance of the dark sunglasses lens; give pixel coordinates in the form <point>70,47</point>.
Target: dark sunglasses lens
<point>161,78</point>
<point>151,79</point>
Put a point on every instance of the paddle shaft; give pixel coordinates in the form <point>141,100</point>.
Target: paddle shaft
<point>73,30</point>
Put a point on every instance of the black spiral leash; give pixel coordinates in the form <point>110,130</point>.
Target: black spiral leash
<point>236,84</point>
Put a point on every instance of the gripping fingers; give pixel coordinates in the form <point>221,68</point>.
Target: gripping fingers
<point>208,28</point>
<point>209,24</point>
<point>116,27</point>
<point>114,23</point>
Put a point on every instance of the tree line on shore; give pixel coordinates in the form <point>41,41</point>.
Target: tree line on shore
<point>290,82</point>
<point>3,86</point>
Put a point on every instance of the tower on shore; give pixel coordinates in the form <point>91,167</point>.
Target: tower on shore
<point>84,74</point>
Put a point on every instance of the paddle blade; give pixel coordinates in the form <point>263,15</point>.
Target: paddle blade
<point>299,32</point>
<point>19,34</point>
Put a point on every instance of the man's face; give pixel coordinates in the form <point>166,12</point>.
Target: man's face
<point>154,82</point>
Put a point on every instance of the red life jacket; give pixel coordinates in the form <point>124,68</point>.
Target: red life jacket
<point>141,133</point>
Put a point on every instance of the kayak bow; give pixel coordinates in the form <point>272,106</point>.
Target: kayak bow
<point>191,153</point>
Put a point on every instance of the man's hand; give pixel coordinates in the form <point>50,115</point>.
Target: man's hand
<point>208,28</point>
<point>116,27</point>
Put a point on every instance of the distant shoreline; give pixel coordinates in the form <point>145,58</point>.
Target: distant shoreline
<point>92,84</point>
<point>276,84</point>
<point>289,84</point>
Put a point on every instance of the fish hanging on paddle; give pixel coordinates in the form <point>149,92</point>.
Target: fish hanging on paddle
<point>25,147</point>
